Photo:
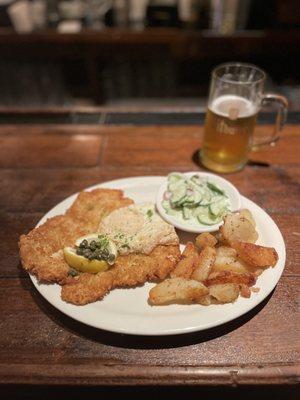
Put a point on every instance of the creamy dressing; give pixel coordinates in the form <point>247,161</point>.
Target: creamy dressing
<point>137,229</point>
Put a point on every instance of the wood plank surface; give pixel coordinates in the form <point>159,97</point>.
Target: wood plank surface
<point>41,165</point>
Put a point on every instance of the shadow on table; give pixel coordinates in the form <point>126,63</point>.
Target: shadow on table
<point>137,341</point>
<point>37,392</point>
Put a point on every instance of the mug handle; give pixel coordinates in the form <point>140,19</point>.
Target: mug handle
<point>280,118</point>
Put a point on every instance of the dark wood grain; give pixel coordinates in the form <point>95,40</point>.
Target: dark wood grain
<point>52,150</point>
<point>41,165</point>
<point>90,356</point>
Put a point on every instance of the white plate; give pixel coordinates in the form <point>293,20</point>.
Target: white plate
<point>127,310</point>
<point>189,226</point>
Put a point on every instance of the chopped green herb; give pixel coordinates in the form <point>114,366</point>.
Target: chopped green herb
<point>149,213</point>
<point>72,272</point>
<point>214,188</point>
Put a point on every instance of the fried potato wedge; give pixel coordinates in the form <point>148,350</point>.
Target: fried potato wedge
<point>255,255</point>
<point>186,265</point>
<point>177,290</point>
<point>204,264</point>
<point>205,239</point>
<point>229,277</point>
<point>224,292</point>
<point>238,228</point>
<point>227,260</point>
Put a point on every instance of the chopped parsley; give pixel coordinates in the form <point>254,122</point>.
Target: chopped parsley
<point>149,213</point>
<point>72,272</point>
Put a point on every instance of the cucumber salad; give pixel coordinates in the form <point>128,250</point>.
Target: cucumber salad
<point>195,199</point>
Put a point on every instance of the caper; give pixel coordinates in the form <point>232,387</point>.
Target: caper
<point>84,243</point>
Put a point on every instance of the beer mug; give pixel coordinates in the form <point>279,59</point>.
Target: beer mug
<point>235,99</point>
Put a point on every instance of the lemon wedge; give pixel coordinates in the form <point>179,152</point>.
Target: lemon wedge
<point>82,264</point>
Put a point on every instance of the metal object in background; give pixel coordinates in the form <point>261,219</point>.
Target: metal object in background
<point>227,16</point>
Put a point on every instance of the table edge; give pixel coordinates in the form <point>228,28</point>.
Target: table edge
<point>97,374</point>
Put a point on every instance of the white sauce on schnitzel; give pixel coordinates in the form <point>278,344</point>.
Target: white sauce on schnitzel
<point>137,229</point>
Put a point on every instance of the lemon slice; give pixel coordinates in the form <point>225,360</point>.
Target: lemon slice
<point>82,264</point>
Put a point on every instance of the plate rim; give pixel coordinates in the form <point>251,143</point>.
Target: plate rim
<point>171,331</point>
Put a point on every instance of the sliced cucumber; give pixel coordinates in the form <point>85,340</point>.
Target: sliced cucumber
<point>218,207</point>
<point>195,198</point>
<point>206,198</point>
<point>170,210</point>
<point>187,212</point>
<point>173,211</point>
<point>172,187</point>
<point>196,179</point>
<point>178,194</point>
<point>175,177</point>
<point>204,216</point>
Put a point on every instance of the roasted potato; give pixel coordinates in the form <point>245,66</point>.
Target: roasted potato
<point>227,260</point>
<point>238,228</point>
<point>256,256</point>
<point>245,291</point>
<point>177,290</point>
<point>204,263</point>
<point>245,213</point>
<point>224,292</point>
<point>229,277</point>
<point>205,239</point>
<point>185,266</point>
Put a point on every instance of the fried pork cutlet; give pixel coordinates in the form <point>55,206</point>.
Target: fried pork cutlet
<point>129,270</point>
<point>41,249</point>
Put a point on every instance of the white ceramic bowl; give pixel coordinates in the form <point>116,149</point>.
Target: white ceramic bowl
<point>196,227</point>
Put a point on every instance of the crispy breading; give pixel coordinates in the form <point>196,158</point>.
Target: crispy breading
<point>91,207</point>
<point>186,265</point>
<point>178,290</point>
<point>41,249</point>
<point>129,270</point>
<point>255,255</point>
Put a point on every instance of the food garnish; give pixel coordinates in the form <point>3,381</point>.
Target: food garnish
<point>92,253</point>
<point>195,199</point>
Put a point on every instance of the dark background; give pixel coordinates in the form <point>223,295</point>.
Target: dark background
<point>165,63</point>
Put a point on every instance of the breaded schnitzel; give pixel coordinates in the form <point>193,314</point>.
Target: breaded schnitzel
<point>129,270</point>
<point>41,249</point>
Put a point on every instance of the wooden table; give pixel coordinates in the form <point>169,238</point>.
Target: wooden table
<point>40,165</point>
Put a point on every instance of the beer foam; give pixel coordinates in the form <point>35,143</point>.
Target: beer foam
<point>233,107</point>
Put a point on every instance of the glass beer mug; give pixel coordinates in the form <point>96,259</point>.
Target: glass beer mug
<point>236,96</point>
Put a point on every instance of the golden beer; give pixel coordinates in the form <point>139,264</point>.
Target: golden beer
<point>228,133</point>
